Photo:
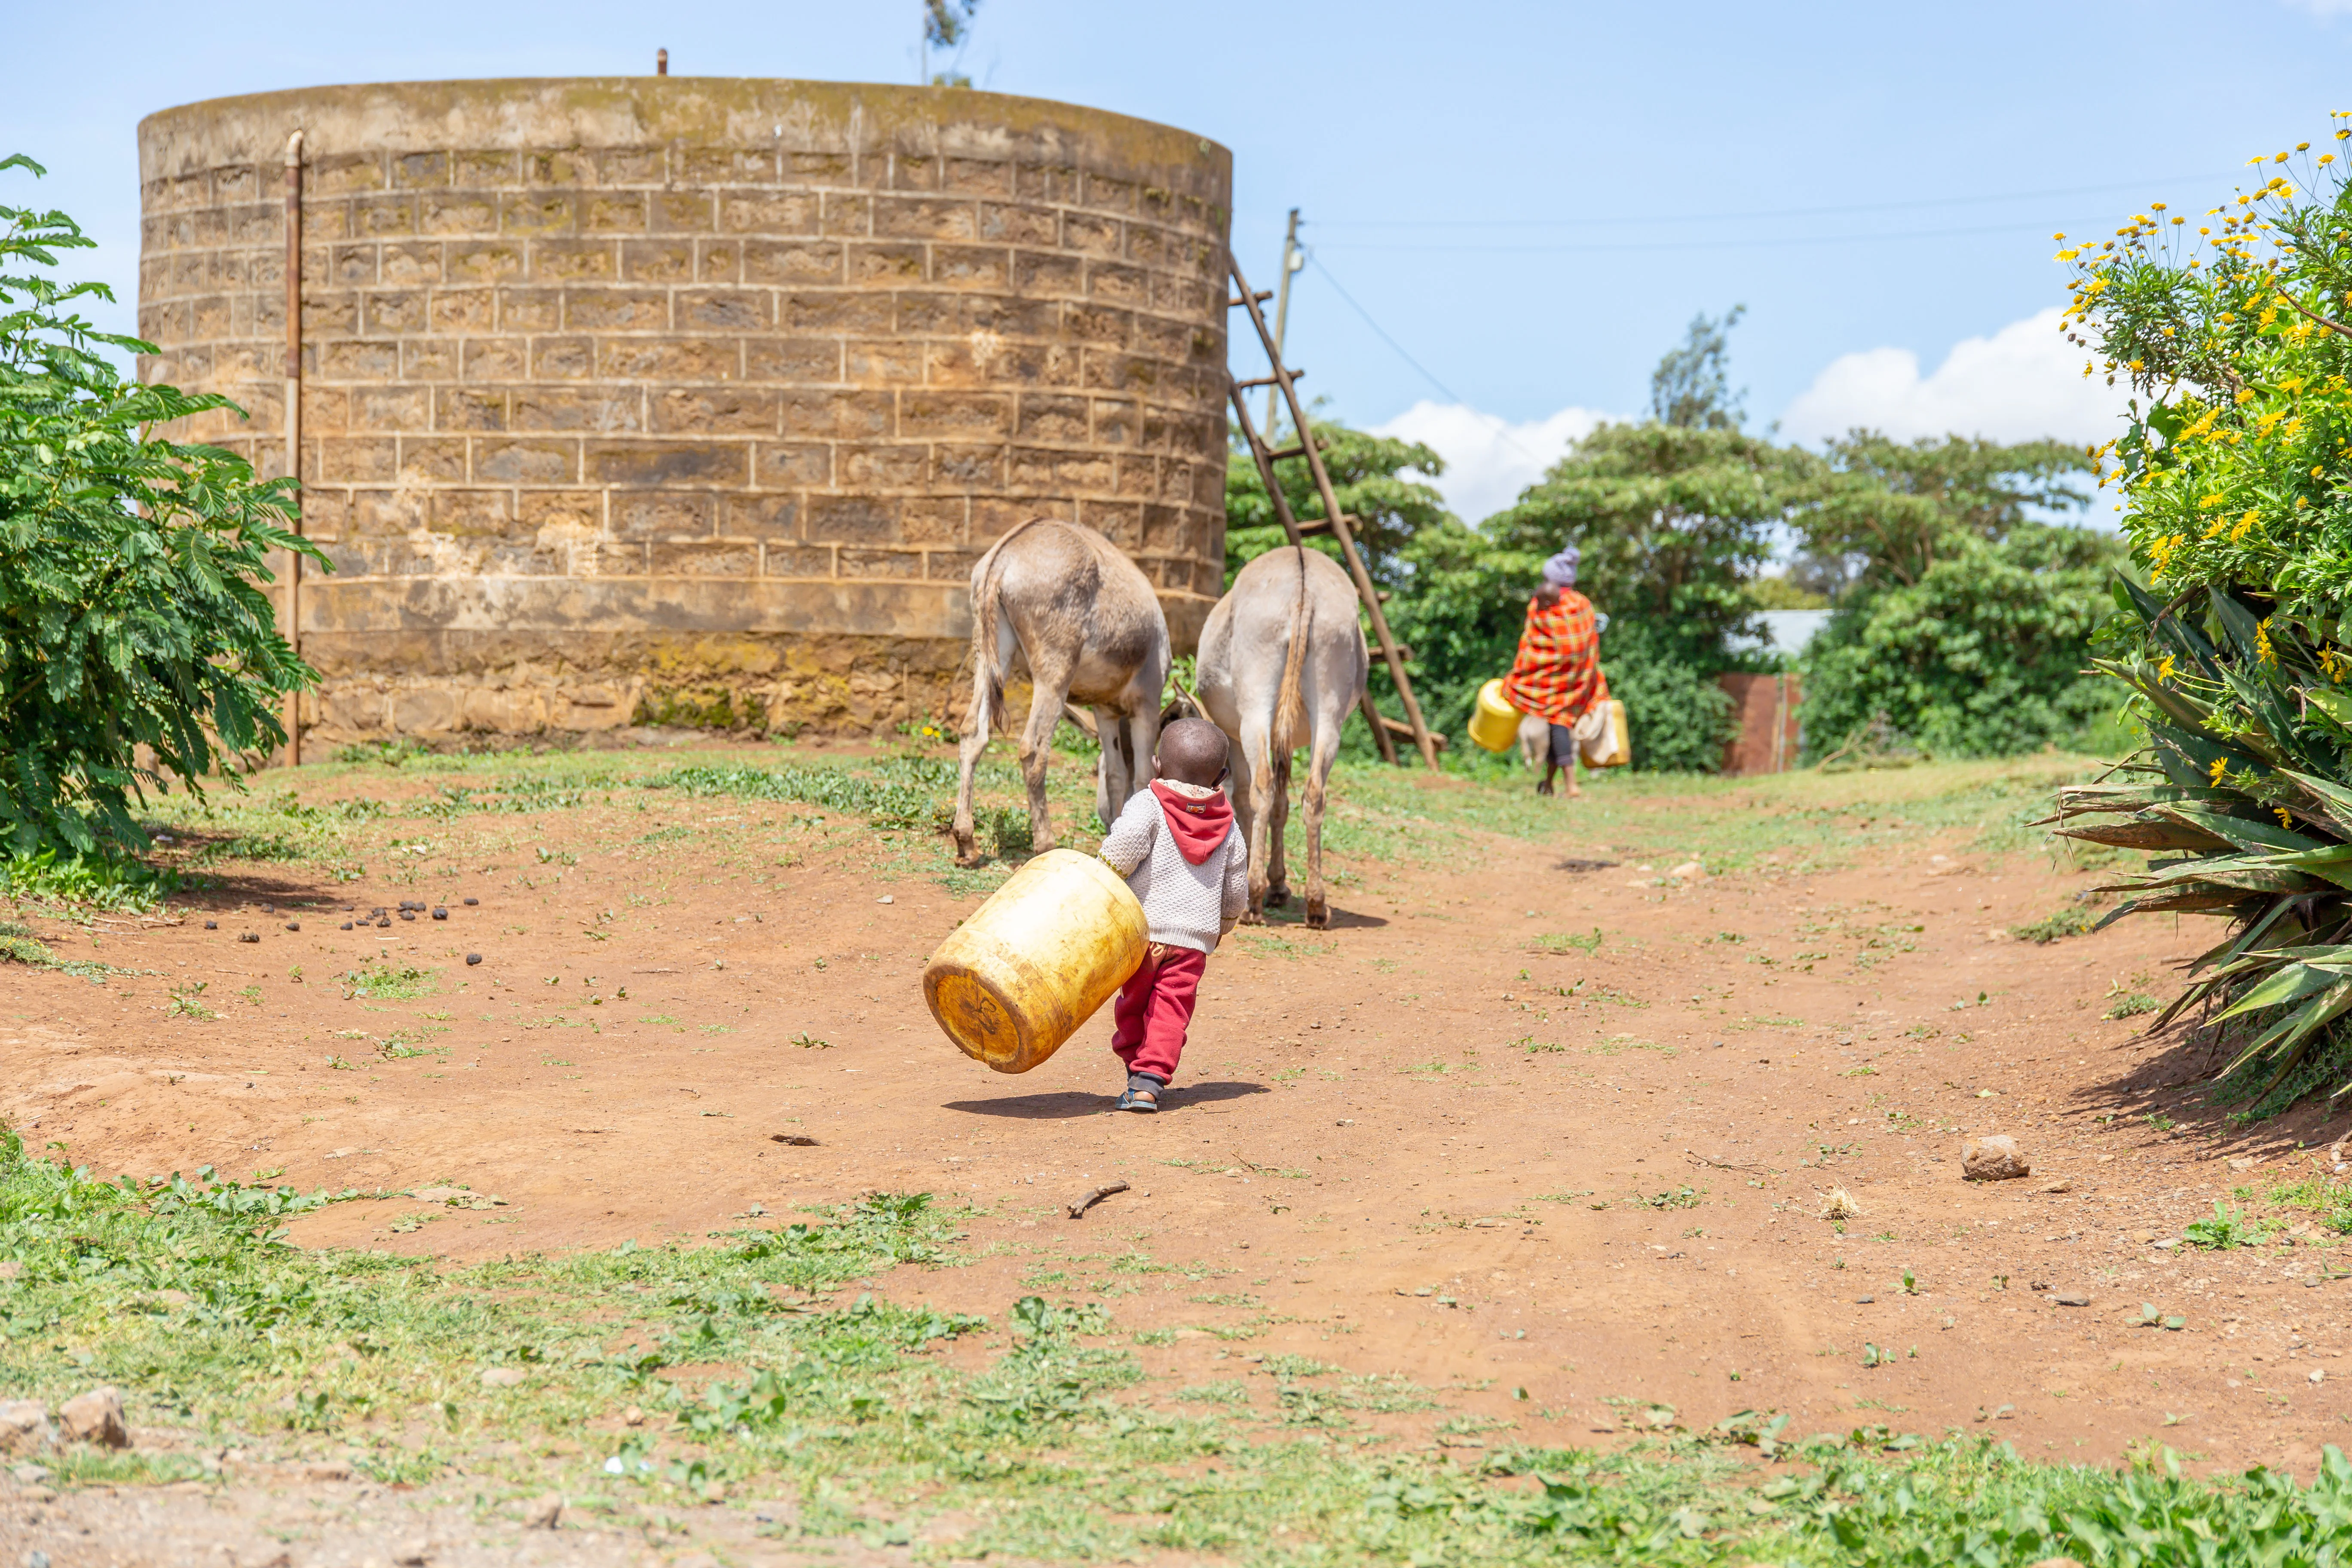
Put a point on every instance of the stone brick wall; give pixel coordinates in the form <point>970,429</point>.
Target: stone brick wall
<point>693,399</point>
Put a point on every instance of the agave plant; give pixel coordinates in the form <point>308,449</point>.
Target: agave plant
<point>2246,726</point>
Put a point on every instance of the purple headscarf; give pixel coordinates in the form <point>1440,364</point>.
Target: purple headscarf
<point>1560,570</point>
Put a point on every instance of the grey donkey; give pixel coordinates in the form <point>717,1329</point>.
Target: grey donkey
<point>1084,620</point>
<point>1282,664</point>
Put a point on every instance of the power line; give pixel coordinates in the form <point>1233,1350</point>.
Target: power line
<point>1761,213</point>
<point>1454,397</point>
<point>1621,247</point>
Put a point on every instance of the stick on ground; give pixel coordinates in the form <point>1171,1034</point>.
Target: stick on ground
<point>1092,1198</point>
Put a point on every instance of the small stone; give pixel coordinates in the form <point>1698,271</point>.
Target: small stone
<point>473,958</point>
<point>439,913</point>
<point>503,1376</point>
<point>1864,1301</point>
<point>1993,1159</point>
<point>471,902</point>
<point>24,1426</point>
<point>633,1417</point>
<point>95,1417</point>
<point>2056,1562</point>
<point>412,1553</point>
<point>885,899</point>
<point>30,1475</point>
<point>248,936</point>
<point>293,925</point>
<point>2242,1163</point>
<point>326,1471</point>
<point>212,925</point>
<point>2072,1298</point>
<point>544,1514</point>
<point>2166,1243</point>
<point>1688,868</point>
<point>2318,1374</point>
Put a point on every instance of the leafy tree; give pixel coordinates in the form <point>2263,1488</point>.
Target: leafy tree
<point>136,645</point>
<point>1963,619</point>
<point>1984,655</point>
<point>946,24</point>
<point>1369,476</point>
<point>1691,388</point>
<point>1893,508</point>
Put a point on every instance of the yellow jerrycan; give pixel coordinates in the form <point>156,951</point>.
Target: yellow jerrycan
<point>1494,722</point>
<point>1031,964</point>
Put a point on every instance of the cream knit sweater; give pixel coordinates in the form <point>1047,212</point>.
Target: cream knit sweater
<point>1187,905</point>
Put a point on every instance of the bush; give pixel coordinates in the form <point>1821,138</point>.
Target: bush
<point>1985,655</point>
<point>136,645</point>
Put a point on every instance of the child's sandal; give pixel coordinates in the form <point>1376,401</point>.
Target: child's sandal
<point>1144,1099</point>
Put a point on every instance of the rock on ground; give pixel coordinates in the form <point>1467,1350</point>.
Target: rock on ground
<point>1993,1159</point>
<point>95,1417</point>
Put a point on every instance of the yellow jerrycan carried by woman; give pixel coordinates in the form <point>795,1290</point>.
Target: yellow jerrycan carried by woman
<point>1494,722</point>
<point>1035,961</point>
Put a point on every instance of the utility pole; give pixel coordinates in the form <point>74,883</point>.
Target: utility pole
<point>1292,259</point>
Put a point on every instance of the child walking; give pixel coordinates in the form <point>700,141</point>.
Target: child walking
<point>1177,845</point>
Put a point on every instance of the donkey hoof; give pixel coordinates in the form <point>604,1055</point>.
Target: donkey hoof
<point>1319,915</point>
<point>1276,897</point>
<point>1253,918</point>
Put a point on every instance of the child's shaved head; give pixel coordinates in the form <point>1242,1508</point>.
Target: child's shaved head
<point>1193,751</point>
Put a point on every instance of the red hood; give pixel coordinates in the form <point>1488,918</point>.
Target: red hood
<point>1200,826</point>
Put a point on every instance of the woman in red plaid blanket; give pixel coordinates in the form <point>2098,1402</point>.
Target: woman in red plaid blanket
<point>1556,676</point>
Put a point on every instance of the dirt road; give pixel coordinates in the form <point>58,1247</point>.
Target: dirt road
<point>1549,1124</point>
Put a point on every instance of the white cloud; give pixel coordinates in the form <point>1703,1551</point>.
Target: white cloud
<point>2024,383</point>
<point>1488,460</point>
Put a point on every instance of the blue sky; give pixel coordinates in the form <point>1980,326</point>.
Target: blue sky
<point>1531,200</point>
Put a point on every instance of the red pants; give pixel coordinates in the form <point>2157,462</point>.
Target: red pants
<point>1155,1007</point>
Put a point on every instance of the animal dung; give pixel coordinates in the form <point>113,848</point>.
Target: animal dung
<point>470,902</point>
<point>797,1139</point>
<point>439,913</point>
<point>345,926</point>
<point>248,936</point>
<point>408,914</point>
<point>212,925</point>
<point>473,958</point>
<point>293,925</point>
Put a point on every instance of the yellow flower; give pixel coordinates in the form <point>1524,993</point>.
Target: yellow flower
<point>2239,532</point>
<point>2262,648</point>
<point>2164,670</point>
<point>2220,766</point>
<point>2284,820</point>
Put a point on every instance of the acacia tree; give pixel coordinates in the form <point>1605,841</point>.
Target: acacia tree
<point>2235,470</point>
<point>137,646</point>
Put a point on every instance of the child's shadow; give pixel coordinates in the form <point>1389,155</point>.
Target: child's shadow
<point>1064,1104</point>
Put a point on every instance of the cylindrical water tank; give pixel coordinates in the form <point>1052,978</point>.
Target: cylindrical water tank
<point>692,400</point>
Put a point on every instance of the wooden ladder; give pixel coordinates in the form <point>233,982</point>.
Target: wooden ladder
<point>1333,520</point>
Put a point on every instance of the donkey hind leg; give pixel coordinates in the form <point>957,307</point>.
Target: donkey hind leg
<point>985,695</point>
<point>1318,776</point>
<point>1252,768</point>
<point>1050,688</point>
<point>1116,781</point>
<point>1278,871</point>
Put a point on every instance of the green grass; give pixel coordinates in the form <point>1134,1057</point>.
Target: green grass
<point>759,1373</point>
<point>2073,920</point>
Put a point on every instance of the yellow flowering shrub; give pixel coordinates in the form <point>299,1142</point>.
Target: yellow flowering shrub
<point>2235,336</point>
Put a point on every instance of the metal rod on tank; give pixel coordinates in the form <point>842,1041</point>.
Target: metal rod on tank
<point>294,426</point>
<point>661,62</point>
